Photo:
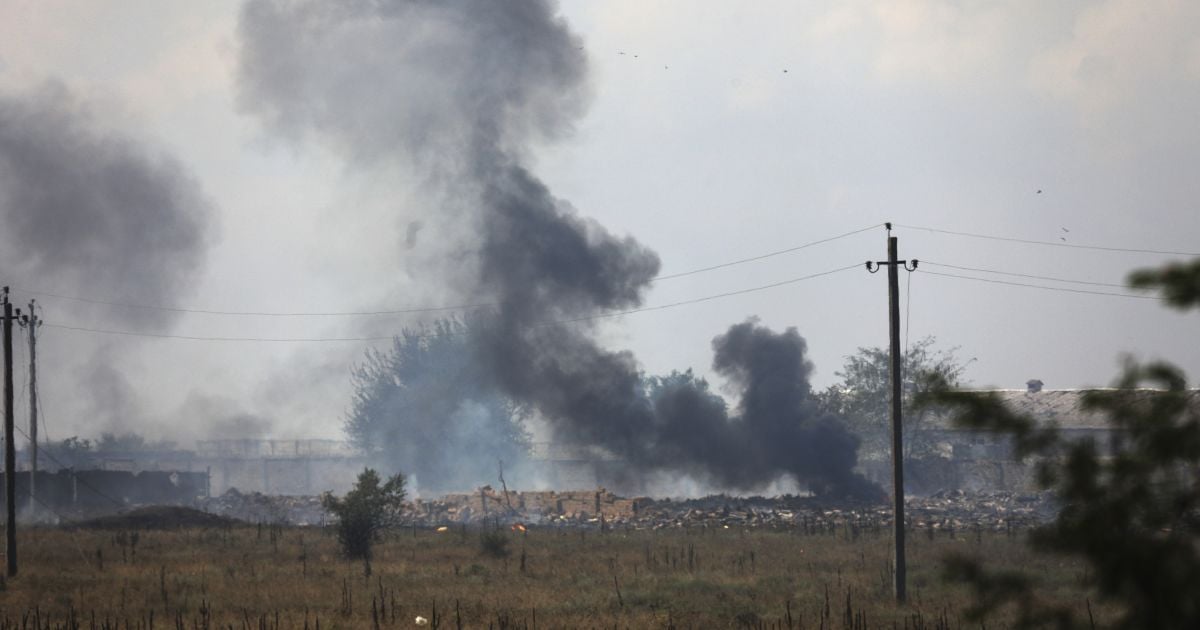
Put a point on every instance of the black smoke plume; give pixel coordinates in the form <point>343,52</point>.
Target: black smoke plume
<point>90,211</point>
<point>463,89</point>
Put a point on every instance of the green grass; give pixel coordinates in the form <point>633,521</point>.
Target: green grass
<point>714,578</point>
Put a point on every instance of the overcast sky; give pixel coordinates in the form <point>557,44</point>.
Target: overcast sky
<point>715,131</point>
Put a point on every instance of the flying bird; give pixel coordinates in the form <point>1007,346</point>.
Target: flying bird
<point>1039,191</point>
<point>1066,230</point>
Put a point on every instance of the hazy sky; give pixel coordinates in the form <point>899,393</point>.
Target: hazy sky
<point>715,131</point>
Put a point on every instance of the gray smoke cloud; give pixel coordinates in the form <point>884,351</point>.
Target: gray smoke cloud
<point>89,211</point>
<point>463,89</point>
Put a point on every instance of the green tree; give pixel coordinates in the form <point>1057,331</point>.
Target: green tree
<point>1130,508</point>
<point>655,386</point>
<point>863,397</point>
<point>426,406</point>
<point>72,452</point>
<point>129,443</point>
<point>372,505</point>
<point>1179,283</point>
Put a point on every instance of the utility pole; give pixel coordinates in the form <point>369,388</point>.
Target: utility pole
<point>895,377</point>
<point>32,322</point>
<point>10,453</point>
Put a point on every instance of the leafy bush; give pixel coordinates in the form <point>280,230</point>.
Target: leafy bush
<point>494,543</point>
<point>368,508</point>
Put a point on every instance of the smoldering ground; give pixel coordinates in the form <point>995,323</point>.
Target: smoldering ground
<point>463,91</point>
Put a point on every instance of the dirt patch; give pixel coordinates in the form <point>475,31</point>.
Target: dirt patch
<point>159,517</point>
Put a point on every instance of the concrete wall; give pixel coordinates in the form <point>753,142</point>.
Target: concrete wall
<point>284,475</point>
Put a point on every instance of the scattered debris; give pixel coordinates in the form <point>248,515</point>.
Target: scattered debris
<point>951,510</point>
<point>256,507</point>
<point>158,517</point>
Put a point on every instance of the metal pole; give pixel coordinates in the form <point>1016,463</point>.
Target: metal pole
<point>10,453</point>
<point>33,322</point>
<point>899,577</point>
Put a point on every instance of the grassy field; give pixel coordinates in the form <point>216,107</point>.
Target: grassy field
<point>268,577</point>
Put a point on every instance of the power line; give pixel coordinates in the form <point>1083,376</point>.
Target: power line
<point>767,255</point>
<point>1050,243</point>
<point>711,297</point>
<point>1043,287</point>
<point>77,479</point>
<point>907,310</point>
<point>130,333</point>
<point>63,519</point>
<point>1025,275</point>
<point>200,311</point>
<point>414,309</point>
<point>645,309</point>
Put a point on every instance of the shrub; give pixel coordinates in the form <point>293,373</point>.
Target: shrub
<point>365,510</point>
<point>494,543</point>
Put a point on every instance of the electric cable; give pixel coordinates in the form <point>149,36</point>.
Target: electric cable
<point>907,309</point>
<point>1133,250</point>
<point>1025,275</point>
<point>77,479</point>
<point>767,255</point>
<point>389,337</point>
<point>1043,287</point>
<point>416,309</point>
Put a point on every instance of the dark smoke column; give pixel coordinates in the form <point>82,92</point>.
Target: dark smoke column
<point>462,90</point>
<point>92,211</point>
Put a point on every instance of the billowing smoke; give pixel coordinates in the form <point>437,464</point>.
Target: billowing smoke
<point>88,211</point>
<point>462,89</point>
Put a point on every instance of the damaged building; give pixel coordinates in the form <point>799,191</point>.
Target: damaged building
<point>958,458</point>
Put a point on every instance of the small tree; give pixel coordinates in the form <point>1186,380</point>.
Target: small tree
<point>368,508</point>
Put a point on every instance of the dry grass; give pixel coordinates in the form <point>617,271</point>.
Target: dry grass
<point>266,577</point>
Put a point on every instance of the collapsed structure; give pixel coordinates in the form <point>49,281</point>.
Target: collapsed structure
<point>982,461</point>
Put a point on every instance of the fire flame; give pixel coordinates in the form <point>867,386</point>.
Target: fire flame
<point>517,527</point>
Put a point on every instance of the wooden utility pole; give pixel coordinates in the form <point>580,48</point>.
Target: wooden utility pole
<point>895,378</point>
<point>31,320</point>
<point>10,453</point>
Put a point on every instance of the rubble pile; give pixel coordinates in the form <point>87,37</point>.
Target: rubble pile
<point>947,511</point>
<point>957,510</point>
<point>529,507</point>
<point>256,507</point>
